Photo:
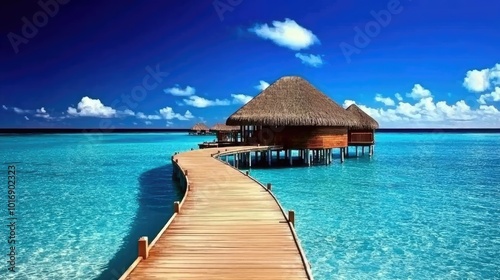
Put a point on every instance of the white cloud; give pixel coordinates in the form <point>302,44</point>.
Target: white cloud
<point>482,80</point>
<point>148,122</point>
<point>26,118</point>
<point>398,97</point>
<point>386,100</point>
<point>169,124</point>
<point>286,34</point>
<point>143,116</point>
<point>477,80</point>
<point>89,107</point>
<point>42,113</point>
<point>310,59</point>
<point>262,85</point>
<point>166,113</point>
<point>494,96</point>
<point>348,103</point>
<point>188,115</point>
<point>127,112</point>
<point>21,111</point>
<point>200,102</point>
<point>241,98</point>
<point>169,114</point>
<point>418,92</point>
<point>178,91</point>
<point>428,113</point>
<point>5,107</point>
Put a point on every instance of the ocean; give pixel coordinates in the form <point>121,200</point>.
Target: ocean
<point>425,206</point>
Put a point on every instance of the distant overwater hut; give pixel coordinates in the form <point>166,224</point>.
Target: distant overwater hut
<point>304,122</point>
<point>363,133</point>
<point>226,136</point>
<point>199,129</point>
<point>226,133</point>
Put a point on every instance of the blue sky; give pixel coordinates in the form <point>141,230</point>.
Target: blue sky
<point>157,64</point>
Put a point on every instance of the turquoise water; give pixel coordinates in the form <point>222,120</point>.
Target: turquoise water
<point>83,201</point>
<point>426,206</point>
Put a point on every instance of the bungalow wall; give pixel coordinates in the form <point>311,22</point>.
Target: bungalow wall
<point>361,137</point>
<point>227,136</point>
<point>302,137</point>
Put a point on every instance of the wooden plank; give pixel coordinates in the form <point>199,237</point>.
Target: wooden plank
<point>228,227</point>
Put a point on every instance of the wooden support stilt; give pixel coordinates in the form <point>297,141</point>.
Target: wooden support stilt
<point>290,157</point>
<point>249,159</point>
<point>143,250</point>
<point>278,154</point>
<point>176,207</point>
<point>357,154</point>
<point>342,154</point>
<point>291,217</point>
<point>363,150</point>
<point>269,157</point>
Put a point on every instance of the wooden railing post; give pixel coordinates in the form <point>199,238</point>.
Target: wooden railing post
<point>176,207</point>
<point>143,247</point>
<point>176,160</point>
<point>186,172</point>
<point>291,217</point>
<point>246,172</point>
<point>268,186</point>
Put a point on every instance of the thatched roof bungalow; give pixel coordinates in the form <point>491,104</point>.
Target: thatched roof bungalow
<point>199,128</point>
<point>224,127</point>
<point>363,133</point>
<point>226,133</point>
<point>293,113</point>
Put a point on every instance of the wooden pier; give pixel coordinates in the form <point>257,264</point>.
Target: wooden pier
<point>228,226</point>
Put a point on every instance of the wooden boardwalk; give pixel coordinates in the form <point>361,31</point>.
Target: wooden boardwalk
<point>228,226</point>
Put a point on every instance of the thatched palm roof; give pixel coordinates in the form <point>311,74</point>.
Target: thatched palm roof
<point>363,119</point>
<point>224,127</point>
<point>200,127</point>
<point>291,101</point>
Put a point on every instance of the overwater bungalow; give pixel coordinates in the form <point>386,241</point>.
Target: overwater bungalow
<point>363,134</point>
<point>226,136</point>
<point>293,114</point>
<point>199,129</point>
<point>226,133</point>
